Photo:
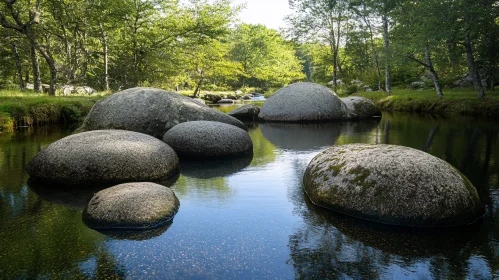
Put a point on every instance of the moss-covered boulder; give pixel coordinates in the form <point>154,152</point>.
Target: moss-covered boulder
<point>391,185</point>
<point>151,111</point>
<point>131,206</point>
<point>303,102</point>
<point>104,157</point>
<point>359,107</point>
<point>208,139</point>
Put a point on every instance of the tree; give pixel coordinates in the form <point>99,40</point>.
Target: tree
<point>24,22</point>
<point>418,32</point>
<point>211,62</point>
<point>320,21</point>
<point>266,59</point>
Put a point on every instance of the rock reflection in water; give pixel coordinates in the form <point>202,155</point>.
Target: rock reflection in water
<point>312,136</point>
<point>137,235</point>
<point>206,168</point>
<point>76,197</point>
<point>333,245</point>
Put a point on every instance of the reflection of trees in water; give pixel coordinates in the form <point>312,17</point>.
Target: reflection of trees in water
<point>107,267</point>
<point>264,152</point>
<point>203,189</point>
<point>312,136</point>
<point>44,239</point>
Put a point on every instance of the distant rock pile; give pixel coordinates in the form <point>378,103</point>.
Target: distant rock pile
<point>309,102</point>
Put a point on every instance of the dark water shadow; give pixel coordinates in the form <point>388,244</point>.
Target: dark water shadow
<point>311,136</point>
<point>77,197</point>
<point>332,245</point>
<point>206,168</point>
<point>137,235</point>
<point>401,241</point>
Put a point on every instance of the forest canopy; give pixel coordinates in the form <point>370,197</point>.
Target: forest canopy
<point>201,44</point>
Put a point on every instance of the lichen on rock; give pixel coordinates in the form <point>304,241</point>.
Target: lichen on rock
<point>393,185</point>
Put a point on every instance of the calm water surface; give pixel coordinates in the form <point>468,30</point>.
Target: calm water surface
<point>249,219</point>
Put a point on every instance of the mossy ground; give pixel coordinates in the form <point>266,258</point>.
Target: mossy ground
<point>455,102</point>
<point>31,109</point>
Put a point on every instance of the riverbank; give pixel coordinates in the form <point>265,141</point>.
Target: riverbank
<point>33,109</point>
<point>455,102</point>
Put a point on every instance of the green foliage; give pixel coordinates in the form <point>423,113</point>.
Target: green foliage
<point>30,109</point>
<point>456,102</point>
<point>267,60</point>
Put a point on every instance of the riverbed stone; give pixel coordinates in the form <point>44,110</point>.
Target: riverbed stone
<point>131,206</point>
<point>303,102</point>
<point>360,107</point>
<point>392,185</point>
<point>247,112</point>
<point>208,139</point>
<point>103,157</point>
<point>150,111</point>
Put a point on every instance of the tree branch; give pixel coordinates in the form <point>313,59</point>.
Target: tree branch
<point>418,61</point>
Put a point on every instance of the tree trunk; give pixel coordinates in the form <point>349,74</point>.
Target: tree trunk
<point>37,83</point>
<point>18,66</point>
<point>429,141</point>
<point>472,67</point>
<point>388,78</point>
<point>433,73</point>
<point>106,69</point>
<point>198,87</point>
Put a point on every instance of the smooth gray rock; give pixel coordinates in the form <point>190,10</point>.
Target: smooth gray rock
<point>392,185</point>
<point>208,139</point>
<point>225,101</point>
<point>247,112</point>
<point>303,102</point>
<point>131,205</point>
<point>150,111</point>
<point>360,107</point>
<point>103,157</point>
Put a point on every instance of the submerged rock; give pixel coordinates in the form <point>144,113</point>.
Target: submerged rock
<point>247,112</point>
<point>360,107</point>
<point>303,102</point>
<point>391,185</point>
<point>131,206</point>
<point>150,111</point>
<point>102,157</point>
<point>208,139</point>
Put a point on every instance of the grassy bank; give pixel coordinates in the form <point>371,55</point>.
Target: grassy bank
<point>30,109</point>
<point>455,102</point>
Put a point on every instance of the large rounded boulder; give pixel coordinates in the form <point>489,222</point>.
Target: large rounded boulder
<point>104,157</point>
<point>360,107</point>
<point>303,102</point>
<point>248,112</point>
<point>391,185</point>
<point>208,139</point>
<point>150,111</point>
<point>131,206</point>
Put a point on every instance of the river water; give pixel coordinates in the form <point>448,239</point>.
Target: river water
<point>249,219</point>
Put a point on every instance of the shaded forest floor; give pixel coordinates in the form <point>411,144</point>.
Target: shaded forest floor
<point>455,102</point>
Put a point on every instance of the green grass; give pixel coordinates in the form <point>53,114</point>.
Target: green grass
<point>455,102</point>
<point>31,109</point>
